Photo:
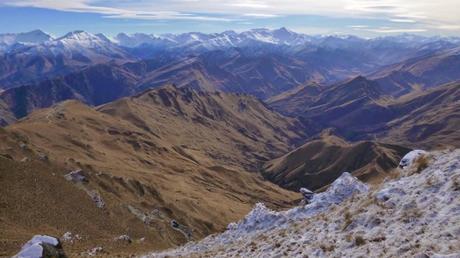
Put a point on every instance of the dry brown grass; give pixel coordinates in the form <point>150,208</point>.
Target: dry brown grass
<point>359,241</point>
<point>421,163</point>
<point>456,183</point>
<point>165,150</point>
<point>411,214</point>
<point>347,219</point>
<point>327,248</point>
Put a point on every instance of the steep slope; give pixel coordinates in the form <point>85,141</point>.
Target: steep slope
<point>36,198</point>
<point>319,162</point>
<point>425,71</point>
<point>294,101</point>
<point>354,108</point>
<point>413,216</point>
<point>236,70</point>
<point>166,157</point>
<point>6,116</point>
<point>430,119</point>
<point>252,131</point>
<point>359,109</point>
<point>95,85</point>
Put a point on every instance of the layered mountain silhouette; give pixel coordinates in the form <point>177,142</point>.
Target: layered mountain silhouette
<point>264,63</point>
<point>360,109</point>
<point>424,72</point>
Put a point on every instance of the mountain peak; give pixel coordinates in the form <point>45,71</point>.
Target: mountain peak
<point>284,30</point>
<point>359,78</point>
<point>35,36</point>
<point>77,34</point>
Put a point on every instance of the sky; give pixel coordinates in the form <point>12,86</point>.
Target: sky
<point>367,18</point>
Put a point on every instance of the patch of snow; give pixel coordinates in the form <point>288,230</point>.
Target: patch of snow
<point>123,238</point>
<point>69,237</point>
<point>414,216</point>
<point>261,219</point>
<point>94,251</point>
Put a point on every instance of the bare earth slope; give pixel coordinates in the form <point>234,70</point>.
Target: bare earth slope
<point>165,155</point>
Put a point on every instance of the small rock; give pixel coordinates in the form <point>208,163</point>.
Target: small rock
<point>43,157</point>
<point>96,197</point>
<point>95,251</point>
<point>76,176</point>
<point>307,195</point>
<point>69,237</point>
<point>174,224</point>
<point>124,238</point>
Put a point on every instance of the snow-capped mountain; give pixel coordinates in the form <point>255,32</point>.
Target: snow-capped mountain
<point>197,40</point>
<point>33,56</point>
<point>93,46</point>
<point>26,63</point>
<point>34,37</point>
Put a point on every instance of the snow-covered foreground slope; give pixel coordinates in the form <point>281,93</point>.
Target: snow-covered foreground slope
<point>416,215</point>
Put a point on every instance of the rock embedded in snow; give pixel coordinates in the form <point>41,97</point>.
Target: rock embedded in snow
<point>307,195</point>
<point>410,157</point>
<point>41,246</point>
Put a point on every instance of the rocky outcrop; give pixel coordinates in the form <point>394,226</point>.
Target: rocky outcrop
<point>41,246</point>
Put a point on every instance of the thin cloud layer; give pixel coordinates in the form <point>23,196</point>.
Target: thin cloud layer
<point>407,15</point>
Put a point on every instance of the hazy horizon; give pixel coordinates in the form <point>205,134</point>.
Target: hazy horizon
<point>364,18</point>
<point>111,35</point>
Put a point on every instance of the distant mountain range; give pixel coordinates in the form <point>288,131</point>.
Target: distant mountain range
<point>35,56</point>
<point>37,70</point>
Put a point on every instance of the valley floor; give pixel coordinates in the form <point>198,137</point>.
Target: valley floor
<point>416,215</point>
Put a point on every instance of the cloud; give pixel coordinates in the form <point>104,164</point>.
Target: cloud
<point>403,20</point>
<point>358,26</point>
<point>428,13</point>
<point>261,15</point>
<point>392,30</point>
